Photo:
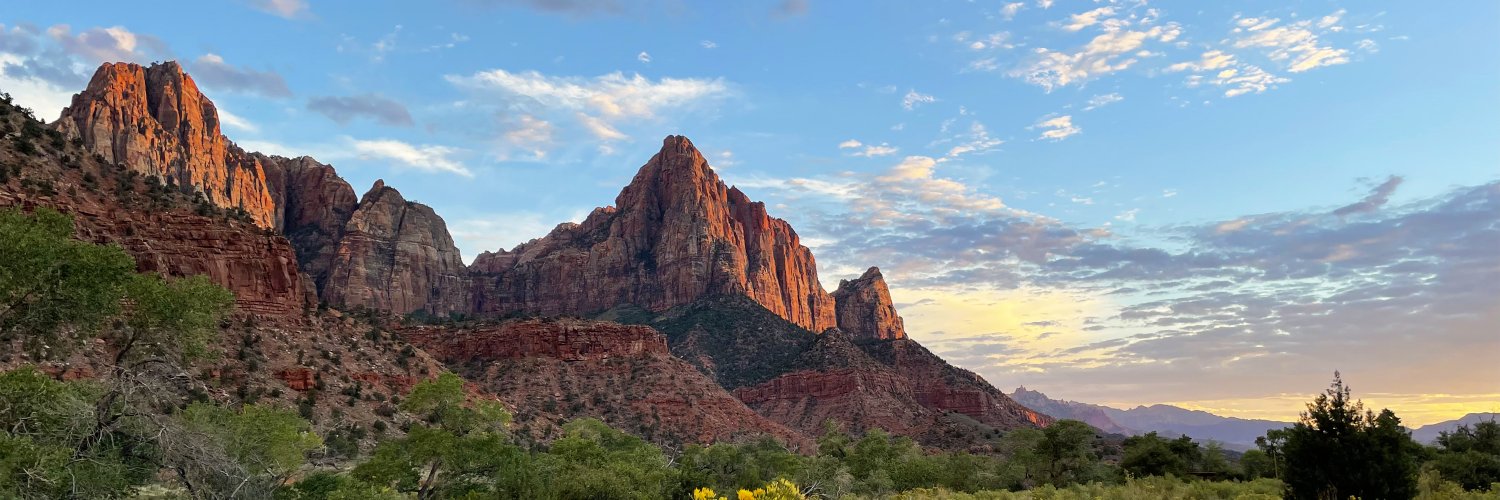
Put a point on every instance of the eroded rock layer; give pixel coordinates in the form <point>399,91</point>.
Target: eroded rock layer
<point>556,370</point>
<point>865,309</point>
<point>155,121</point>
<point>675,234</point>
<point>397,256</point>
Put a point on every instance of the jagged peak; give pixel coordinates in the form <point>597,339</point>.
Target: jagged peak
<point>378,190</point>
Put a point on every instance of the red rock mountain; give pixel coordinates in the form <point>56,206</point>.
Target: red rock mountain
<point>380,252</point>
<point>733,289</point>
<point>395,255</point>
<point>556,370</point>
<point>675,234</point>
<point>865,309</point>
<point>156,122</point>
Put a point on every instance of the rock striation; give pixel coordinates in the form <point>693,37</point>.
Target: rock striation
<point>553,371</point>
<point>675,234</point>
<point>155,121</point>
<point>865,309</point>
<point>396,255</point>
<point>312,206</point>
<point>562,340</point>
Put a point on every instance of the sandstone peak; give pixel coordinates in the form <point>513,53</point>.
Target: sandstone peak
<point>865,309</point>
<point>377,189</point>
<point>677,234</point>
<point>155,121</point>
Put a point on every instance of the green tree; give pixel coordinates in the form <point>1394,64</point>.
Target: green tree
<point>593,460</point>
<point>269,443</point>
<point>43,420</point>
<point>55,291</point>
<point>1024,465</point>
<point>457,450</point>
<point>1469,456</point>
<point>1150,455</point>
<point>1338,449</point>
<point>1066,452</point>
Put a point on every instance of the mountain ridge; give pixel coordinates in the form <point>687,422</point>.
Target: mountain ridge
<point>677,237</point>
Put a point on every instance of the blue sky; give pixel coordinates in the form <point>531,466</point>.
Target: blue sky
<point>1035,177</point>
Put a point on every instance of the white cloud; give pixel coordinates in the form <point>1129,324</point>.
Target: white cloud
<point>600,106</point>
<point>115,43</point>
<point>708,44</point>
<point>1104,54</point>
<point>850,144</point>
<point>1011,9</point>
<point>531,134</point>
<point>600,128</point>
<point>1103,100</point>
<point>1221,69</point>
<point>1168,193</point>
<point>1128,215</point>
<point>290,9</point>
<point>1083,20</point>
<point>643,57</point>
<point>427,158</point>
<point>236,122</point>
<point>914,98</point>
<point>611,96</point>
<point>871,150</point>
<point>1057,128</point>
<point>1000,40</point>
<point>45,98</point>
<point>1045,4</point>
<point>1295,43</point>
<point>978,140</point>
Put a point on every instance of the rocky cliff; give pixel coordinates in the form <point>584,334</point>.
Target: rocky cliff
<point>383,254</point>
<point>675,234</point>
<point>313,204</point>
<point>397,256</point>
<point>156,122</point>
<point>552,371</point>
<point>865,309</point>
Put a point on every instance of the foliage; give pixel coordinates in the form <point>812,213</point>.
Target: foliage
<point>780,489</point>
<point>1339,449</point>
<point>1145,488</point>
<point>266,440</point>
<point>458,448</point>
<point>1469,455</point>
<point>52,285</point>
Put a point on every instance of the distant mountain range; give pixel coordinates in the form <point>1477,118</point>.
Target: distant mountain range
<point>1234,433</point>
<point>1428,433</point>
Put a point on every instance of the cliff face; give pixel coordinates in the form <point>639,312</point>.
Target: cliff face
<point>312,206</point>
<point>397,256</point>
<point>942,386</point>
<point>557,370</point>
<point>865,309</point>
<point>675,234</point>
<point>156,122</point>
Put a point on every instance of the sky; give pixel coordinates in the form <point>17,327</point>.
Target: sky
<point>1208,204</point>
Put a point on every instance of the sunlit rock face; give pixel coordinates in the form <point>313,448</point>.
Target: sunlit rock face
<point>155,121</point>
<point>675,234</point>
<point>865,309</point>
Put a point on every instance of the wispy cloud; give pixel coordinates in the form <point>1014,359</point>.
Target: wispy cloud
<point>427,158</point>
<point>912,99</point>
<point>1057,128</point>
<point>211,70</point>
<point>344,109</point>
<point>289,9</point>
<point>600,106</point>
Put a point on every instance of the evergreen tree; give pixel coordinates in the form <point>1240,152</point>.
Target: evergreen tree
<point>1339,449</point>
